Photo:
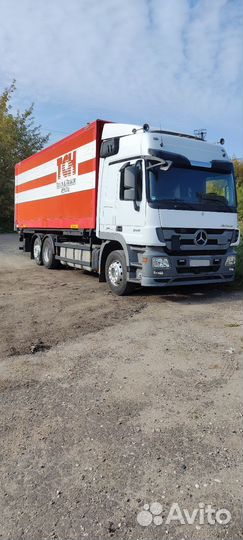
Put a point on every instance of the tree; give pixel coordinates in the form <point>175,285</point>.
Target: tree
<point>238,166</point>
<point>19,139</point>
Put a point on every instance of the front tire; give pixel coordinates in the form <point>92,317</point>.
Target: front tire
<point>48,254</point>
<point>116,273</point>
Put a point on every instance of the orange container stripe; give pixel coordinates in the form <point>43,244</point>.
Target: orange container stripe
<point>39,182</point>
<point>87,166</point>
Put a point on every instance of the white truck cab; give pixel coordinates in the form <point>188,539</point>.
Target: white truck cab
<point>169,202</point>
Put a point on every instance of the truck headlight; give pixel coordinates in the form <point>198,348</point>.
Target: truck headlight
<point>230,261</point>
<point>160,262</point>
<point>235,237</point>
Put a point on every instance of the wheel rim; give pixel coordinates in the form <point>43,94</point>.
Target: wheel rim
<point>46,254</point>
<point>115,273</point>
<point>37,249</point>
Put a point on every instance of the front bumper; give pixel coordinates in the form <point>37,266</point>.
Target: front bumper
<point>180,271</point>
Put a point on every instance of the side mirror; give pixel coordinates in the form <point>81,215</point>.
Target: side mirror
<point>130,183</point>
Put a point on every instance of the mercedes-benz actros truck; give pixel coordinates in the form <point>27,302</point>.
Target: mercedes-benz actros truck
<point>135,205</point>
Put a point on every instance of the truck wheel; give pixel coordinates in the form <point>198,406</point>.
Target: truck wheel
<point>37,251</point>
<point>48,255</point>
<point>116,273</point>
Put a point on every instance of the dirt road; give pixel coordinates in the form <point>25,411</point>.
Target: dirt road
<point>109,404</point>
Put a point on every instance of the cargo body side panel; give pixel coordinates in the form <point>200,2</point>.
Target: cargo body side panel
<point>57,187</point>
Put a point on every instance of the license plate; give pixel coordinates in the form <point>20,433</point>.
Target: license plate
<point>199,262</point>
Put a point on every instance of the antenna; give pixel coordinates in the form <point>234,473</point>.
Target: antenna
<point>200,133</point>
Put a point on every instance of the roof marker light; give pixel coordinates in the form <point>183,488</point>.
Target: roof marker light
<point>145,128</point>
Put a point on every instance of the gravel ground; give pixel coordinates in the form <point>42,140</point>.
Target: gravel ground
<point>109,404</point>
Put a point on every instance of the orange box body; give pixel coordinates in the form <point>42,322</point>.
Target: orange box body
<point>57,187</point>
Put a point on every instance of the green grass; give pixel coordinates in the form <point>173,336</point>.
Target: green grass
<point>239,265</point>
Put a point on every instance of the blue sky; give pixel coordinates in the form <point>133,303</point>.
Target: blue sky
<point>176,64</point>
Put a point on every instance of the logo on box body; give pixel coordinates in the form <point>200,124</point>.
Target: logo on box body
<point>66,171</point>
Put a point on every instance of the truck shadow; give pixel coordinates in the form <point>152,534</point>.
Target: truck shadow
<point>193,295</point>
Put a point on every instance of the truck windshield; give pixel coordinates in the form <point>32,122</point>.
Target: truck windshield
<point>194,189</point>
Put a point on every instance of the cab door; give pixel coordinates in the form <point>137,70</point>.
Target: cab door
<point>108,187</point>
<point>130,214</point>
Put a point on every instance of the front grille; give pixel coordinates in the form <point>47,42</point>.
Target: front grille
<point>193,231</point>
<point>182,240</point>
<point>189,241</point>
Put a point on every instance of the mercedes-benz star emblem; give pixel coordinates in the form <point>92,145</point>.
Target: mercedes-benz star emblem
<point>200,238</point>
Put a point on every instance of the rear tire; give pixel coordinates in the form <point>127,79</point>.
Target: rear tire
<point>116,273</point>
<point>48,254</point>
<point>37,251</point>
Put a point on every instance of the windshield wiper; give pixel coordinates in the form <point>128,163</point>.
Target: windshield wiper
<point>179,202</point>
<point>213,197</point>
<point>219,201</point>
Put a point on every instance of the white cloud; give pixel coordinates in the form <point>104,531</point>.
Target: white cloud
<point>173,62</point>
